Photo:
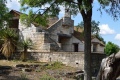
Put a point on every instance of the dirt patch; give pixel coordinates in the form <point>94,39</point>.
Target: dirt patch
<point>37,71</point>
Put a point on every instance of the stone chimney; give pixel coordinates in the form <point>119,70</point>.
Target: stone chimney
<point>67,13</point>
<point>67,18</point>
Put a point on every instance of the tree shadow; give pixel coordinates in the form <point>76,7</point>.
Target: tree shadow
<point>8,73</point>
<point>8,77</point>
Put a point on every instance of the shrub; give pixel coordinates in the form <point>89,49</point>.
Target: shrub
<point>57,65</point>
<point>54,65</point>
<point>23,77</point>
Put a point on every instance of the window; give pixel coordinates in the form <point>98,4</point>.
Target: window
<point>94,47</point>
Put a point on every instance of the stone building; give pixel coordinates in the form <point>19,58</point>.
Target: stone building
<point>58,36</point>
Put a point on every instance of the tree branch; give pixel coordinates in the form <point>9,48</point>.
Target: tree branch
<point>44,11</point>
<point>89,12</point>
<point>71,1</point>
<point>81,10</point>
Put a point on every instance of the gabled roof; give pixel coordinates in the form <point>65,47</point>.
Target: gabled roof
<point>17,12</point>
<point>53,27</point>
<point>50,24</point>
<point>78,33</point>
<point>96,40</point>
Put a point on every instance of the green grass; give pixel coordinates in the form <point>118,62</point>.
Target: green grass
<point>46,77</point>
<point>55,65</point>
<point>23,77</point>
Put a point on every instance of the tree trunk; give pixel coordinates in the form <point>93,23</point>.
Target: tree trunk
<point>87,49</point>
<point>87,17</point>
<point>24,54</point>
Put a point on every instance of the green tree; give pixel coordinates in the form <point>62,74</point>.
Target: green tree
<point>9,39</point>
<point>25,45</point>
<point>80,25</point>
<point>94,27</point>
<point>111,48</point>
<point>84,7</point>
<point>100,38</point>
<point>4,14</point>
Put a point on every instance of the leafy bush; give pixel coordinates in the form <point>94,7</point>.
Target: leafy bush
<point>54,65</point>
<point>111,48</point>
<point>57,64</point>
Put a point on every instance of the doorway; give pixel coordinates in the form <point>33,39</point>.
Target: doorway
<point>75,47</point>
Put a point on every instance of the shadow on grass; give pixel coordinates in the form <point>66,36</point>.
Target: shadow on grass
<point>8,77</point>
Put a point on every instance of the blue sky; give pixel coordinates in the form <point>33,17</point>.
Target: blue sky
<point>109,29</point>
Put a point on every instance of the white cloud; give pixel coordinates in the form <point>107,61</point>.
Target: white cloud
<point>105,29</point>
<point>13,4</point>
<point>117,37</point>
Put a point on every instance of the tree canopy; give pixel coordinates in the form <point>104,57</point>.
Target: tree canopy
<point>44,8</point>
<point>112,7</point>
<point>100,38</point>
<point>94,26</point>
<point>94,29</point>
<point>4,14</point>
<point>111,48</point>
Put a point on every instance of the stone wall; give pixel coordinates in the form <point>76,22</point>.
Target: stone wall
<point>96,61</point>
<point>70,45</point>
<point>74,59</point>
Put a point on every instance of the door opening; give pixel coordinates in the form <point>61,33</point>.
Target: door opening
<point>75,47</point>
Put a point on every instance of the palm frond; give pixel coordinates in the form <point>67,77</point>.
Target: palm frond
<point>9,38</point>
<point>26,43</point>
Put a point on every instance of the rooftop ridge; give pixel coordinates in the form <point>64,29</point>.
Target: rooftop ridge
<point>54,23</point>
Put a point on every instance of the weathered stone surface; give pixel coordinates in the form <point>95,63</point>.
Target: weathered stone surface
<point>5,70</point>
<point>79,76</point>
<point>36,65</point>
<point>17,69</point>
<point>20,65</point>
<point>27,69</point>
<point>5,67</point>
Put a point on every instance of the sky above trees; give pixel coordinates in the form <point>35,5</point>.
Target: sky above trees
<point>109,29</point>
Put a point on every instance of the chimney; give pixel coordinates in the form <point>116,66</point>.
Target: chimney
<point>67,13</point>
